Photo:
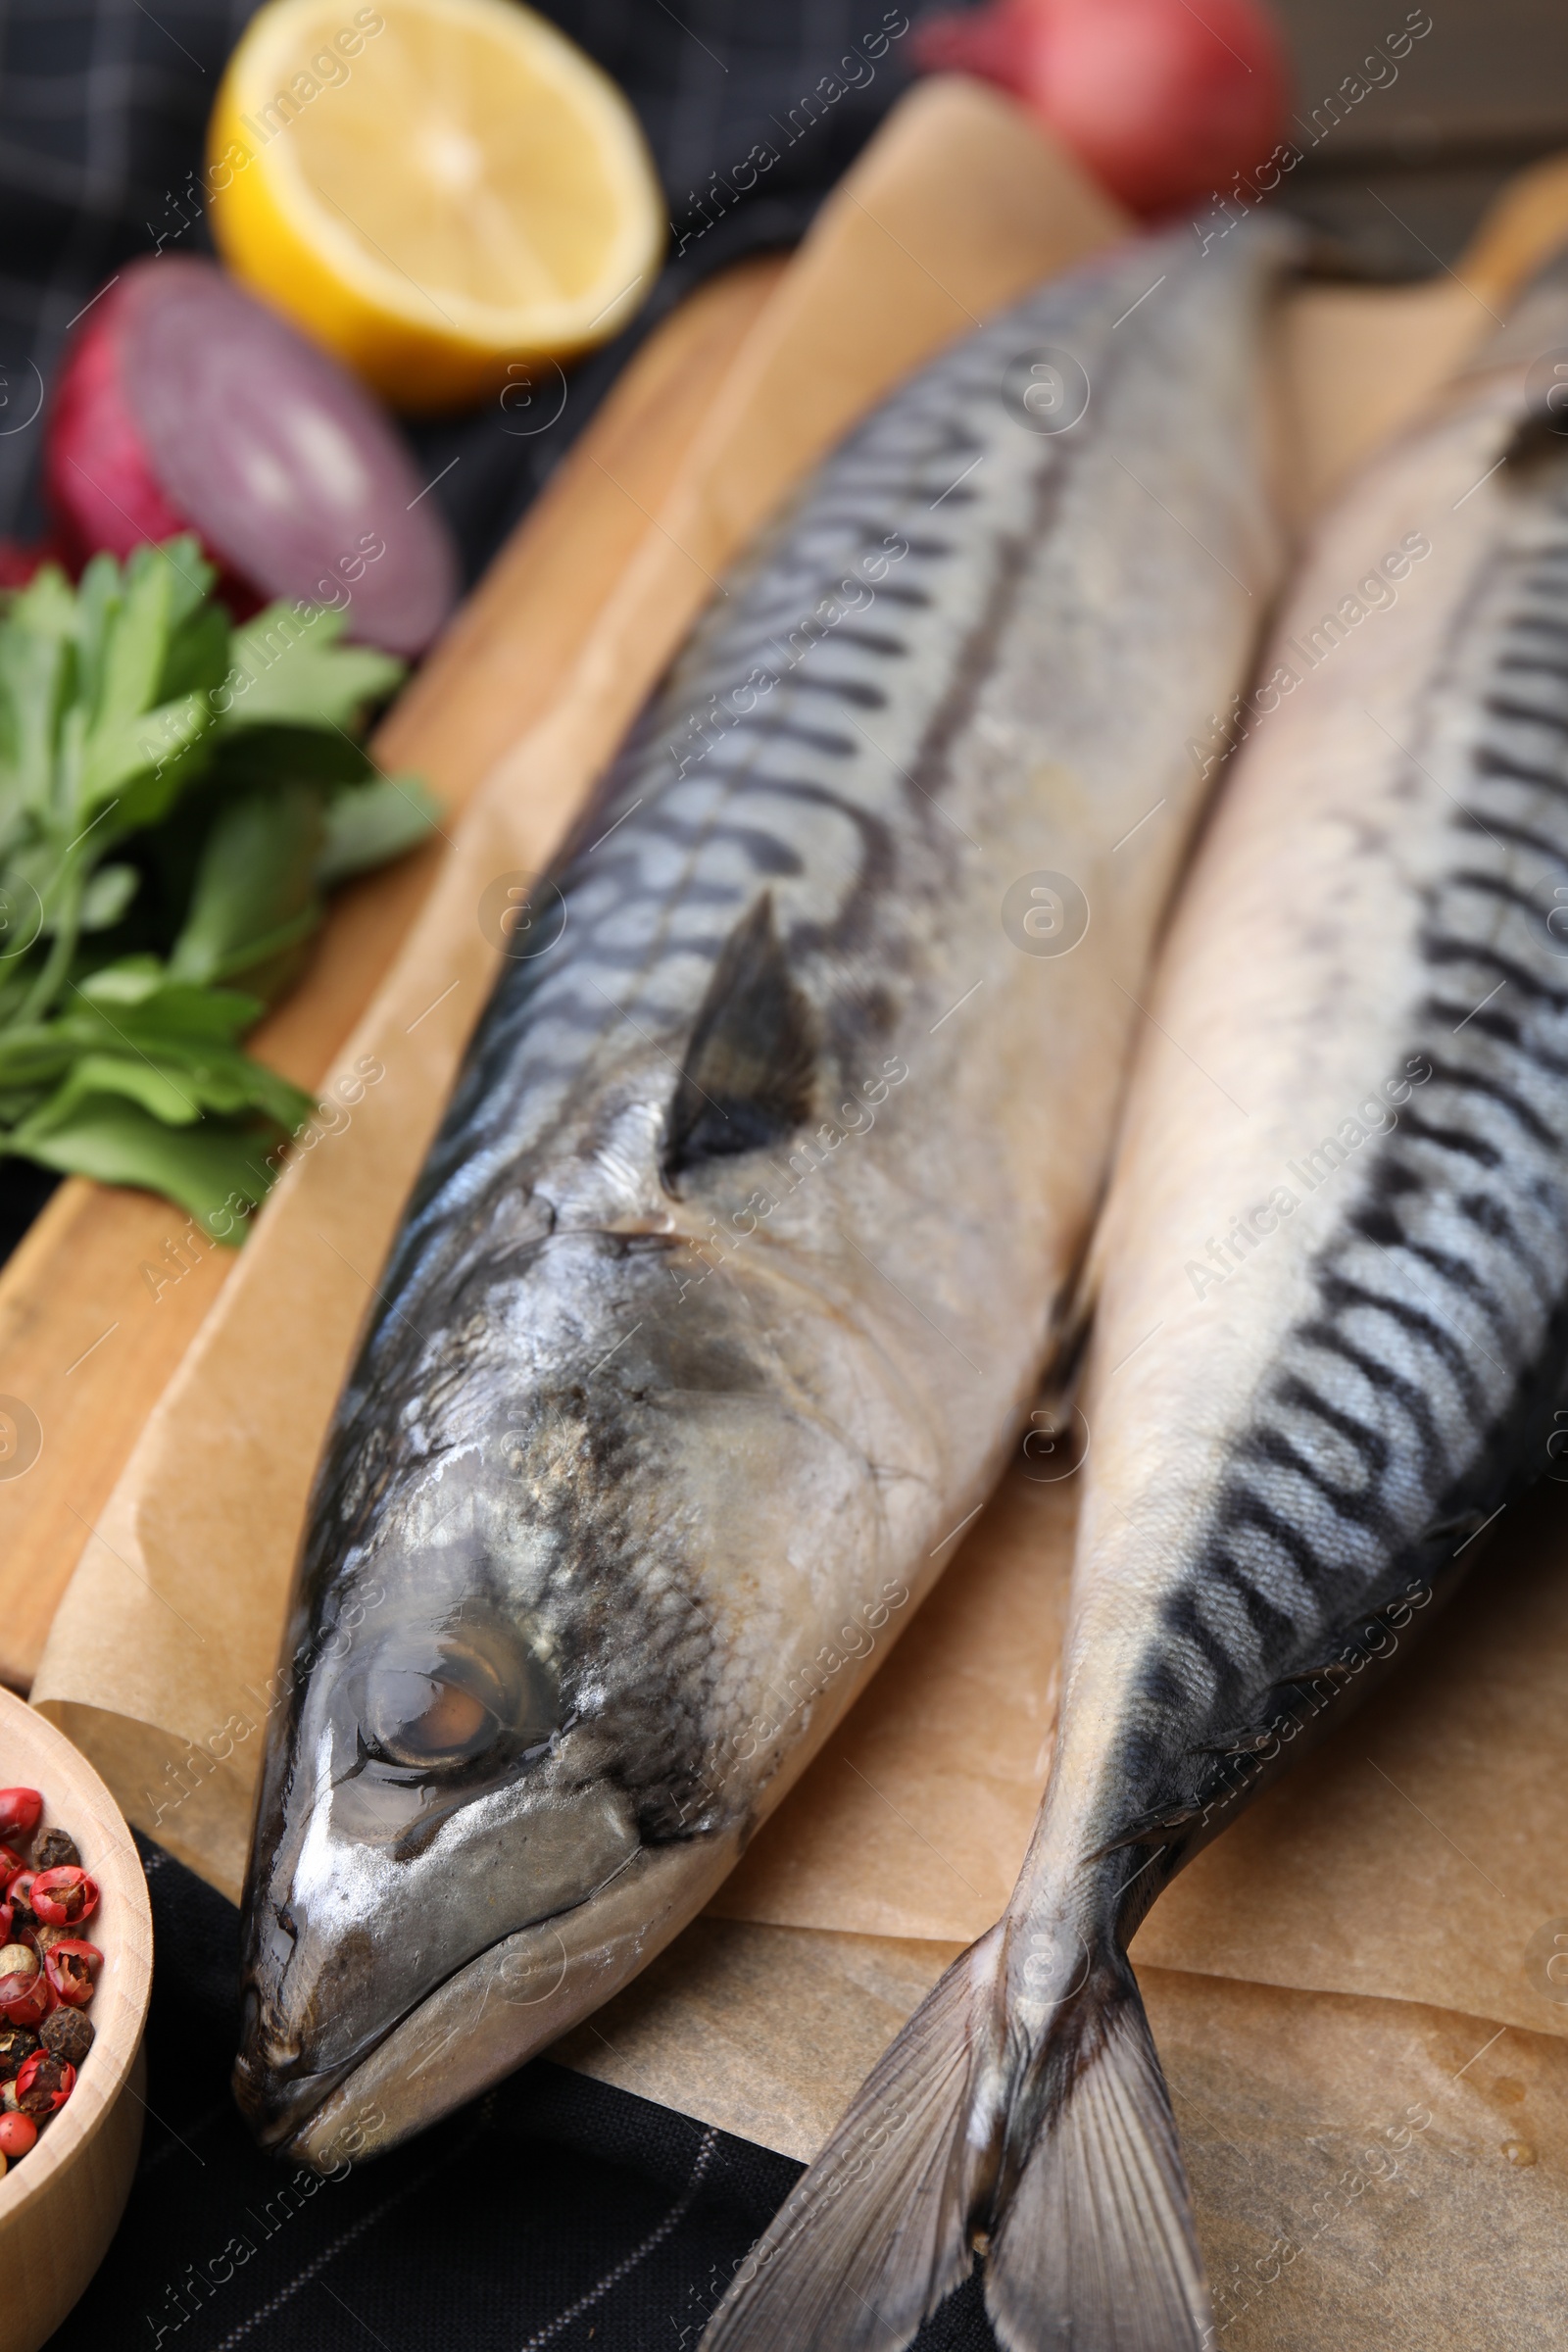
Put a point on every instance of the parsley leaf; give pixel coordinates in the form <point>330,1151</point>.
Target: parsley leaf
<point>177,795</point>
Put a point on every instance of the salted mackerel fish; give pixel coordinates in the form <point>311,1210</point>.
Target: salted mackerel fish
<point>736,1261</point>
<point>1331,1344</point>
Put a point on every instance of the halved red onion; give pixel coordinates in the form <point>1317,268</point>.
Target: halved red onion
<point>185,405</point>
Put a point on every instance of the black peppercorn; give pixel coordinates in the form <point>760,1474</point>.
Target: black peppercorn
<point>55,1850</point>
<point>65,2034</point>
<point>15,2043</point>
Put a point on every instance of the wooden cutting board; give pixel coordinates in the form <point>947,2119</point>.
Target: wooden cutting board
<point>761,2027</point>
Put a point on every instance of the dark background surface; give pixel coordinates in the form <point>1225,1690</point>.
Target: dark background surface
<point>555,2211</point>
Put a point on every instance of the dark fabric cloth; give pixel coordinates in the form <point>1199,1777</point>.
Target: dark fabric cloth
<point>554,2211</point>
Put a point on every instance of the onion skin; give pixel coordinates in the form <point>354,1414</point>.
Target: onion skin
<point>184,405</point>
<point>100,488</point>
<point>1162,103</point>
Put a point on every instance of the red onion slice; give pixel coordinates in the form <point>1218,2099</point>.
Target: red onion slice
<point>184,403</point>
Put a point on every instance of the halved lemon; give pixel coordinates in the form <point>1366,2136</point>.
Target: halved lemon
<point>434,189</point>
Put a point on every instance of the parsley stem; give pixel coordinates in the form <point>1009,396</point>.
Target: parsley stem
<point>57,964</point>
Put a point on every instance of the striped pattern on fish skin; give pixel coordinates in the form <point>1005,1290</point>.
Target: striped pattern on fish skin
<point>1417,1389</point>
<point>1358,1073</point>
<point>734,1264</point>
<point>1411,1390</point>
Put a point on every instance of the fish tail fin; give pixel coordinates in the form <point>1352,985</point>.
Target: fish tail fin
<point>1093,2246</point>
<point>1061,2164</point>
<point>879,2229</point>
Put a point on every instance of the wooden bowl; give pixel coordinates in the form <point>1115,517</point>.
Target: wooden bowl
<point>61,2204</point>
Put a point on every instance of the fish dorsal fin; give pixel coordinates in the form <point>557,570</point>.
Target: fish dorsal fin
<point>750,1069</point>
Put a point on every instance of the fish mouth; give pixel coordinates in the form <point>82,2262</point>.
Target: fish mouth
<point>485,2019</point>
<point>275,2100</point>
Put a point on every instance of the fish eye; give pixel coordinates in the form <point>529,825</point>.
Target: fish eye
<point>433,1702</point>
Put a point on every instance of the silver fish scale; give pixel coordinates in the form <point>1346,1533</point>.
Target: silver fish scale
<point>1442,1315</point>
<point>794,793</point>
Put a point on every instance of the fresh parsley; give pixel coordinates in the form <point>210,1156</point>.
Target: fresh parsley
<point>178,794</point>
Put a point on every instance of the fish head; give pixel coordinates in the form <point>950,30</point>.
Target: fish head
<point>555,1560</point>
